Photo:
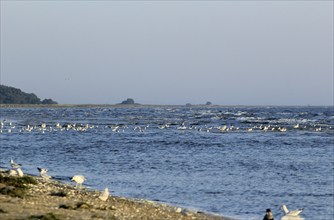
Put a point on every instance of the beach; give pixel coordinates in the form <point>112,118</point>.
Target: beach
<point>31,197</point>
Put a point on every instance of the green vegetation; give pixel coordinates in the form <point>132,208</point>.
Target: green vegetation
<point>11,95</point>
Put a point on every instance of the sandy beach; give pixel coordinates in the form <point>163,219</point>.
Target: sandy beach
<point>32,197</point>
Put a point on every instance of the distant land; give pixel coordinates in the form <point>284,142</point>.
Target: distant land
<point>11,95</point>
<point>129,101</point>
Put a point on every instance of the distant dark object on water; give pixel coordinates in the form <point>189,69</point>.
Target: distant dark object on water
<point>11,95</point>
<point>128,101</point>
<point>206,104</point>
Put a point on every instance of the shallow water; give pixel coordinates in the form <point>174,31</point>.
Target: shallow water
<point>190,162</point>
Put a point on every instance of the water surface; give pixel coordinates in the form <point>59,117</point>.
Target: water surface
<point>236,161</point>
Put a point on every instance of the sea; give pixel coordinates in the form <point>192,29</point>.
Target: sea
<point>235,161</point>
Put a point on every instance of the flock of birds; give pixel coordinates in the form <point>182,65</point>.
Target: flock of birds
<point>78,179</point>
<point>10,127</point>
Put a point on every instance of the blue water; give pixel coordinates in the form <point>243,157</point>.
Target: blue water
<point>179,155</point>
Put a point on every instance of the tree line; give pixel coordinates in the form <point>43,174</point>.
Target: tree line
<point>11,95</point>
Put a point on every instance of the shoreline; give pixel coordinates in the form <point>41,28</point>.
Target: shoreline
<point>31,197</point>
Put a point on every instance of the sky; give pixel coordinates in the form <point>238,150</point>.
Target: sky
<point>170,52</point>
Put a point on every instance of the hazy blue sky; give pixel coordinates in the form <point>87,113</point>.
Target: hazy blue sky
<point>170,52</point>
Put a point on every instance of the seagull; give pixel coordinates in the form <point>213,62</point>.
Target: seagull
<point>42,170</point>
<point>291,213</point>
<point>79,179</point>
<point>43,173</point>
<point>104,195</point>
<point>19,172</point>
<point>282,129</point>
<point>13,172</point>
<point>290,217</point>
<point>223,128</point>
<point>15,165</point>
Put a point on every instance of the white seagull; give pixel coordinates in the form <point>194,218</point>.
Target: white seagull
<point>291,213</point>
<point>13,172</point>
<point>16,169</point>
<point>43,173</point>
<point>104,195</point>
<point>290,217</point>
<point>15,165</point>
<point>79,179</point>
<point>19,172</point>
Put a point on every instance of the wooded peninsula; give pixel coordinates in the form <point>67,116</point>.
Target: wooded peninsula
<point>11,95</point>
